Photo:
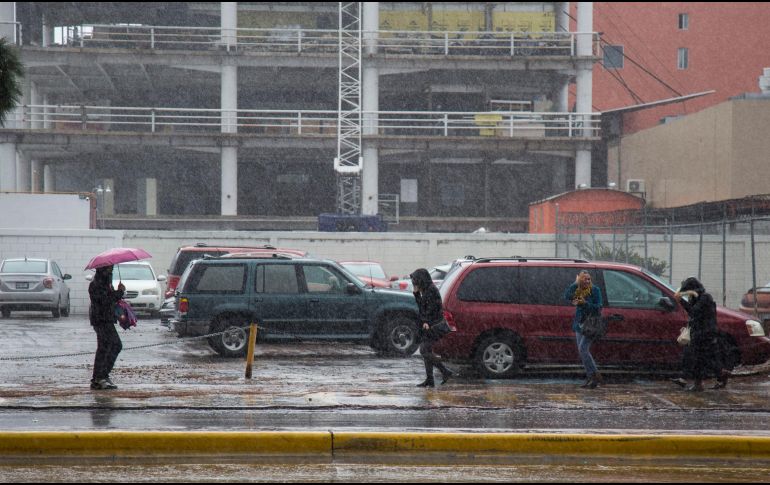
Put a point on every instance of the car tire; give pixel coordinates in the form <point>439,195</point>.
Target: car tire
<point>65,312</point>
<point>233,342</point>
<point>56,312</point>
<point>6,313</point>
<point>499,356</point>
<point>399,336</point>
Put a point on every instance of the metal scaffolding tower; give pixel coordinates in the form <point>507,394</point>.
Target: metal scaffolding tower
<point>349,161</point>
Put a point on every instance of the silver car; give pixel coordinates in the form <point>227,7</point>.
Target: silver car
<point>28,284</point>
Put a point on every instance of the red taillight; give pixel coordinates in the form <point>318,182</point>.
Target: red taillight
<point>184,305</point>
<point>403,285</point>
<point>450,319</point>
<point>48,283</point>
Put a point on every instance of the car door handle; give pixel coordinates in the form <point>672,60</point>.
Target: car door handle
<point>616,317</point>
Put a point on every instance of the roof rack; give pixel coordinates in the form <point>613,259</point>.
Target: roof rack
<point>524,259</point>
<point>205,245</point>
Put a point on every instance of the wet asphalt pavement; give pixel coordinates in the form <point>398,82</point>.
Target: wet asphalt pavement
<point>179,385</point>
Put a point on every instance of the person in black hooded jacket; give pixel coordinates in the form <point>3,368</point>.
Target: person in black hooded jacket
<point>433,325</point>
<point>702,357</point>
<point>101,313</point>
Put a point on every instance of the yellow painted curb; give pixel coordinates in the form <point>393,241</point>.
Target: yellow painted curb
<point>186,443</point>
<point>637,446</point>
<point>137,443</point>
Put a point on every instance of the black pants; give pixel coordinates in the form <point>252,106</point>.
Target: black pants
<point>426,351</point>
<point>107,350</point>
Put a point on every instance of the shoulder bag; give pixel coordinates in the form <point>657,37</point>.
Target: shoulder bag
<point>684,337</point>
<point>593,327</point>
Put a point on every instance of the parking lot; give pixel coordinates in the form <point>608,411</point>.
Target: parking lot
<point>322,385</point>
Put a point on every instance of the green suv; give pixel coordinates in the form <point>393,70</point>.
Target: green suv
<point>290,299</point>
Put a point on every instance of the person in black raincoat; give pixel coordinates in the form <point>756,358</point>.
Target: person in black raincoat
<point>702,358</point>
<point>433,324</point>
<point>101,313</point>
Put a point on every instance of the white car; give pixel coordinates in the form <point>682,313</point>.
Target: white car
<point>437,274</point>
<point>143,286</point>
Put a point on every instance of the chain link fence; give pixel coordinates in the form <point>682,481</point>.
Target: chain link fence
<point>729,254</point>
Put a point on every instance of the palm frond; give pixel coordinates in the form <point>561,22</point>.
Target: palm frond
<point>11,74</point>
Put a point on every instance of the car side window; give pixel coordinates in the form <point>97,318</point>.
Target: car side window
<point>625,290</point>
<point>277,279</point>
<point>56,270</point>
<point>490,285</point>
<point>543,285</point>
<point>321,279</point>
<point>218,279</point>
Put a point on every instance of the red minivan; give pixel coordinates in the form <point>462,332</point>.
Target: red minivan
<point>509,312</point>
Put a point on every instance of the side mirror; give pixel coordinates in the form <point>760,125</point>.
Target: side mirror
<point>352,289</point>
<point>667,303</point>
<point>162,278</point>
<point>66,277</point>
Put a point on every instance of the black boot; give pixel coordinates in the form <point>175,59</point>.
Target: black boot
<point>427,383</point>
<point>446,374</point>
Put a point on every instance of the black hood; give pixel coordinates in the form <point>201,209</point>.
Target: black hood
<point>421,278</point>
<point>692,284</point>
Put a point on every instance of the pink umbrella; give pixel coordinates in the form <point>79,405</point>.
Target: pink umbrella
<point>117,255</point>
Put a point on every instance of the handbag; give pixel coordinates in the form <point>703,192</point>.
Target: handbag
<point>684,337</point>
<point>125,315</point>
<point>441,329</point>
<point>593,327</point>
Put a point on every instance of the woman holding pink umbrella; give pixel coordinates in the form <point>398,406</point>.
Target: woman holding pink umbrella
<point>102,316</point>
<point>101,313</point>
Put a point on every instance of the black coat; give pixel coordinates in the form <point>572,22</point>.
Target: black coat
<point>103,300</point>
<point>429,304</point>
<point>703,318</point>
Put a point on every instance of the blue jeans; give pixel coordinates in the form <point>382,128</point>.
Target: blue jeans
<point>584,349</point>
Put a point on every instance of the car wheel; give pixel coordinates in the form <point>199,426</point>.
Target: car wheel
<point>233,341</point>
<point>400,337</point>
<point>6,313</point>
<point>499,356</point>
<point>56,312</point>
<point>65,312</point>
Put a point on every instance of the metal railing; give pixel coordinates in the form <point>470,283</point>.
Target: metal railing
<point>510,124</point>
<point>326,40</point>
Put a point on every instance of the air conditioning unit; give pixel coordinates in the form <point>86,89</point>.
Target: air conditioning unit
<point>635,185</point>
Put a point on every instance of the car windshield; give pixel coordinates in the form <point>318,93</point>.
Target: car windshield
<point>132,272</point>
<point>658,279</point>
<point>40,267</point>
<point>366,270</point>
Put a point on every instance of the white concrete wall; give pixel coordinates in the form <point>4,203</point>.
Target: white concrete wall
<point>399,253</point>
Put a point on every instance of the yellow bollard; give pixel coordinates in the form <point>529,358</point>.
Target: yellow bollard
<point>250,353</point>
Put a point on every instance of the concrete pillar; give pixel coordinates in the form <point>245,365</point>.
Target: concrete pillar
<point>229,189</point>
<point>108,198</point>
<point>48,33</point>
<point>562,103</point>
<point>370,93</point>
<point>48,183</point>
<point>47,123</point>
<point>36,176</point>
<point>8,29</point>
<point>562,16</point>
<point>229,98</point>
<point>229,23</point>
<point>584,88</point>
<point>147,197</point>
<point>8,167</point>
<point>36,114</point>
<point>23,172</point>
